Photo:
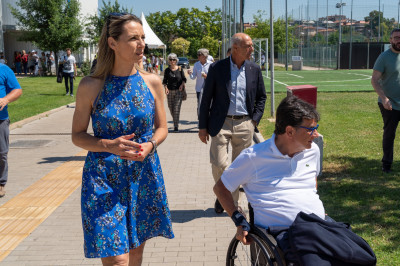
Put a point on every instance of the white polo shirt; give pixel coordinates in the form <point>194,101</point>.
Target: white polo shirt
<point>277,186</point>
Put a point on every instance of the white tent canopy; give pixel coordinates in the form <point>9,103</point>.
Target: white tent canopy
<point>152,41</point>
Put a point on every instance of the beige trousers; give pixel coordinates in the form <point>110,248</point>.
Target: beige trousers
<point>240,134</point>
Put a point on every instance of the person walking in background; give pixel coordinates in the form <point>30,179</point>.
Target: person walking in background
<point>386,82</point>
<point>69,71</point>
<point>231,106</point>
<point>124,202</point>
<point>200,70</point>
<point>17,62</point>
<point>10,91</point>
<point>35,60</point>
<point>161,63</point>
<point>174,83</point>
<point>24,60</point>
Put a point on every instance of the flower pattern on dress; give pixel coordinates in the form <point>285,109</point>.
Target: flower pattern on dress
<point>123,202</point>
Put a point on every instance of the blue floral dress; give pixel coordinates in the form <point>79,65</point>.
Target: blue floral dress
<point>123,202</point>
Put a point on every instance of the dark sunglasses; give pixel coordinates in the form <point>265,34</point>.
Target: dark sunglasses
<point>110,16</point>
<point>172,59</point>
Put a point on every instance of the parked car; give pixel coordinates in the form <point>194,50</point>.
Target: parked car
<point>183,62</point>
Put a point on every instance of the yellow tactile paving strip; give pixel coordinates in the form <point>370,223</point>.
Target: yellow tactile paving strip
<point>26,211</point>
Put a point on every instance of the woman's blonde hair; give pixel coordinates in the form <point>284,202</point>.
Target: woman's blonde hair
<point>113,27</point>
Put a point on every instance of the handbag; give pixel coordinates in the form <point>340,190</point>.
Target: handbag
<point>184,94</point>
<point>60,73</point>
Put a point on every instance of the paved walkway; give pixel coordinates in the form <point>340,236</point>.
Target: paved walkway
<point>40,220</point>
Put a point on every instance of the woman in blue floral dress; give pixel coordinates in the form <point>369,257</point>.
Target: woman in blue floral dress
<point>124,201</point>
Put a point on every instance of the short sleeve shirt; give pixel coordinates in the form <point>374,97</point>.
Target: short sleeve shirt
<point>277,186</point>
<point>69,64</point>
<point>388,63</point>
<point>8,82</point>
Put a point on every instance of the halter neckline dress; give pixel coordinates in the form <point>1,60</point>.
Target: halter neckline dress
<point>123,202</point>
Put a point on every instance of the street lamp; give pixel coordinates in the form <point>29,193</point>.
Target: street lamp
<point>340,6</point>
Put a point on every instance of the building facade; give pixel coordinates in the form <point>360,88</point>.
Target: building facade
<point>10,32</point>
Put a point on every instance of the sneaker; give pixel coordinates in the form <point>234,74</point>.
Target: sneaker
<point>72,95</point>
<point>2,191</point>
<point>67,94</point>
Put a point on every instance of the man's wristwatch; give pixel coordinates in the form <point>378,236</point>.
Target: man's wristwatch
<point>154,142</point>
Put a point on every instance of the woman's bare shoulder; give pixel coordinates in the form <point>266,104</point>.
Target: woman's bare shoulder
<point>89,85</point>
<point>152,80</point>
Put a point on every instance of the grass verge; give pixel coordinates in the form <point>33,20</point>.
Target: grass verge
<point>40,94</point>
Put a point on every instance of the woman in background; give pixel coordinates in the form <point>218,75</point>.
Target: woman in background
<point>174,83</point>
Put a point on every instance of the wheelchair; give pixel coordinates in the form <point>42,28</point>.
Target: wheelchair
<point>262,251</point>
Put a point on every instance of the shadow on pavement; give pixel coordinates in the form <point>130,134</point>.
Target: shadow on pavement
<point>184,216</point>
<point>62,159</point>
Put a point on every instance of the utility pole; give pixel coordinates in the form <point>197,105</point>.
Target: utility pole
<point>287,49</point>
<point>340,6</point>
<point>351,34</point>
<point>272,59</point>
<point>398,11</point>
<point>379,22</point>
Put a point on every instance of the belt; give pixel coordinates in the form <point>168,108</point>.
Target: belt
<point>236,117</point>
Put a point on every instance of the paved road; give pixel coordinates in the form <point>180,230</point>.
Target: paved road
<point>43,146</point>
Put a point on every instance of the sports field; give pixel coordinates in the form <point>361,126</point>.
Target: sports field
<point>325,80</point>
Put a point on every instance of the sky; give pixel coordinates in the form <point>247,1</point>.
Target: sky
<point>296,8</point>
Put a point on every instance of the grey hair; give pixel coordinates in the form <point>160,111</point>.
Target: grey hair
<point>203,51</point>
<point>236,39</point>
<point>173,56</point>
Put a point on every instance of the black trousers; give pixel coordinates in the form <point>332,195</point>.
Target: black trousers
<point>69,76</point>
<point>390,122</point>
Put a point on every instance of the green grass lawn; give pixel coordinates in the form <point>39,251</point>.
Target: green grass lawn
<point>352,186</point>
<point>325,80</point>
<point>40,94</point>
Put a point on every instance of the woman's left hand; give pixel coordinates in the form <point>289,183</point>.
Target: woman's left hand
<point>146,148</point>
<point>182,86</point>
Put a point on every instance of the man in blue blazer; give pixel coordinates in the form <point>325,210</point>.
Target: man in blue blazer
<point>231,107</point>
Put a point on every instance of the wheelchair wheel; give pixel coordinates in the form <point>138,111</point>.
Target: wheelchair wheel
<point>258,253</point>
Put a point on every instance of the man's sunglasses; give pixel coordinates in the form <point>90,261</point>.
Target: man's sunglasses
<point>310,129</point>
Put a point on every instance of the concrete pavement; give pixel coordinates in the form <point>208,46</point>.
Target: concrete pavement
<point>43,146</point>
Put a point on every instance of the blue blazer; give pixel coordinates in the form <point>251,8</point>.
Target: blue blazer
<point>215,100</point>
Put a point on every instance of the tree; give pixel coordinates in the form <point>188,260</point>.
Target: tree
<point>386,25</point>
<point>180,46</point>
<point>211,44</point>
<point>164,26</point>
<point>262,30</point>
<point>96,22</point>
<point>191,25</point>
<point>51,25</point>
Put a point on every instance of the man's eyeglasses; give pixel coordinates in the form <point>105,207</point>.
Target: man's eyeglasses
<point>396,38</point>
<point>113,14</point>
<point>310,129</point>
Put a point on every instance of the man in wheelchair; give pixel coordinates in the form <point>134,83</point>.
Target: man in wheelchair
<point>279,179</point>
